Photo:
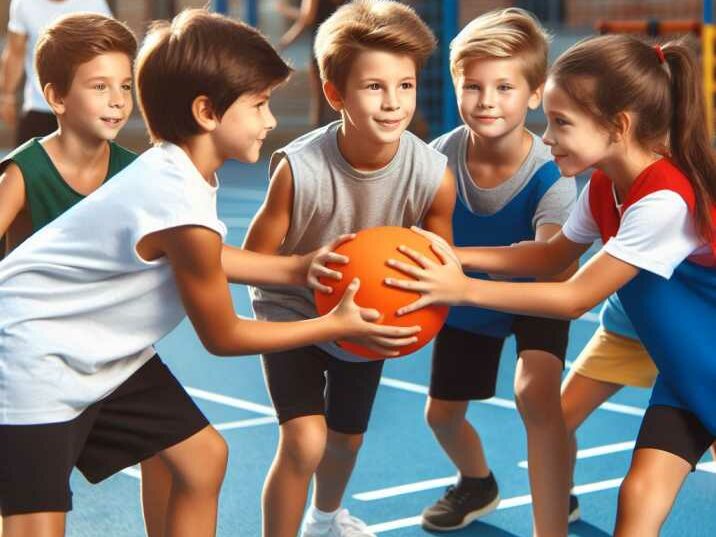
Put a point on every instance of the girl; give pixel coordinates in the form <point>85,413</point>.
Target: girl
<point>609,101</point>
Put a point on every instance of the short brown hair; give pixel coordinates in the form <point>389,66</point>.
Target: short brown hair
<point>504,33</point>
<point>370,25</point>
<point>76,39</point>
<point>200,53</point>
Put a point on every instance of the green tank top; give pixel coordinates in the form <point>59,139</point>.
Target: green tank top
<point>48,195</point>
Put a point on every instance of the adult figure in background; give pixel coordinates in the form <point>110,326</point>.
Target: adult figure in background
<point>26,21</point>
<point>309,16</point>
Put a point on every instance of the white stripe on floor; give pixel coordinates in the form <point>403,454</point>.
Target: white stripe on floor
<point>507,503</point>
<point>242,424</point>
<point>231,401</point>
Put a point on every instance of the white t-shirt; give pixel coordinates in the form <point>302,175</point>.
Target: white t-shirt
<point>656,233</point>
<point>29,18</point>
<point>79,306</point>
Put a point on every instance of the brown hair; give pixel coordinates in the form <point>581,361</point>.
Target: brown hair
<point>504,33</point>
<point>76,39</point>
<point>200,53</point>
<point>611,74</point>
<point>370,25</point>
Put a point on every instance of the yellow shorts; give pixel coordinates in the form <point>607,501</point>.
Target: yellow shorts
<point>610,357</point>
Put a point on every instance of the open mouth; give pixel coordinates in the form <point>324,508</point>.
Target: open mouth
<point>112,121</point>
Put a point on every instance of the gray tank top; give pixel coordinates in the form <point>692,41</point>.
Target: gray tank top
<point>330,198</point>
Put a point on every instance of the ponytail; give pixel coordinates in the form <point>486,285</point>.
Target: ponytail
<point>688,134</point>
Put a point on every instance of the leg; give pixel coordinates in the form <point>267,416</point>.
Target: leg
<point>456,436</point>
<point>537,382</point>
<point>335,469</point>
<point>301,447</point>
<point>35,524</point>
<point>580,397</point>
<point>197,466</point>
<point>156,486</point>
<point>648,492</point>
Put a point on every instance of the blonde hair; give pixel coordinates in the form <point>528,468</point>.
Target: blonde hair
<point>504,33</point>
<point>370,25</point>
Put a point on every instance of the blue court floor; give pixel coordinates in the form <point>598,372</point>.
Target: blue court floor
<point>401,468</point>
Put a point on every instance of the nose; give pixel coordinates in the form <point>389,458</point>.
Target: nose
<point>270,120</point>
<point>390,100</point>
<point>486,99</point>
<point>547,137</point>
<point>117,98</point>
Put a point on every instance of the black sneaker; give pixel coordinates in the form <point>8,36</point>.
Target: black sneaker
<point>574,513</point>
<point>461,505</point>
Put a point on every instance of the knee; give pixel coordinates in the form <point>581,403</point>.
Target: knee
<point>344,446</point>
<point>536,402</point>
<point>301,447</point>
<point>445,415</point>
<point>209,465</point>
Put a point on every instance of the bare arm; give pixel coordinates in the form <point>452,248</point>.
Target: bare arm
<point>12,197</point>
<point>446,284</point>
<point>544,233</point>
<point>438,220</point>
<point>11,70</point>
<point>306,16</point>
<point>195,256</point>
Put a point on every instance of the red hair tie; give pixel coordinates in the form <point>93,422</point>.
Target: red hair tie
<point>660,53</point>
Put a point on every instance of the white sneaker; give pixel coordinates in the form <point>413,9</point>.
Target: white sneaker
<point>342,525</point>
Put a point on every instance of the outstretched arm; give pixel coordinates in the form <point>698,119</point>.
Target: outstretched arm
<point>447,284</point>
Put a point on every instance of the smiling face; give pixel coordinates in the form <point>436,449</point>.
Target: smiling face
<point>576,139</point>
<point>378,100</point>
<point>244,126</point>
<point>99,100</point>
<point>493,96</point>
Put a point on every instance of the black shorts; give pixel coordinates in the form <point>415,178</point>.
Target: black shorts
<point>309,381</point>
<point>148,413</point>
<point>465,364</point>
<point>676,431</point>
<point>34,124</point>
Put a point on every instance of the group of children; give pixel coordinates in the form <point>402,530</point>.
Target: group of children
<point>86,298</point>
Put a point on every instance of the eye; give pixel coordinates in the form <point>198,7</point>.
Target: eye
<point>561,122</point>
<point>126,87</point>
<point>406,85</point>
<point>100,86</point>
<point>261,104</point>
<point>373,86</point>
<point>471,87</point>
<point>504,87</point>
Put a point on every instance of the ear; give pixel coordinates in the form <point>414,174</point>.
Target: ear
<point>333,96</point>
<point>203,112</point>
<point>623,124</point>
<point>535,98</point>
<point>53,98</point>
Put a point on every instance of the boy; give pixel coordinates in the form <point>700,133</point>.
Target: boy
<point>362,171</point>
<point>510,190</point>
<point>86,297</point>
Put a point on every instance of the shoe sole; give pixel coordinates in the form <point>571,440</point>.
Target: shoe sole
<point>574,516</point>
<point>469,518</point>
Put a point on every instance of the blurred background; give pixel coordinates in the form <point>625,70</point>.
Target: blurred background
<point>567,20</point>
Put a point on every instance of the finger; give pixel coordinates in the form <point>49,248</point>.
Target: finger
<point>318,286</point>
<point>327,273</point>
<point>446,255</point>
<point>343,238</point>
<point>413,306</point>
<point>351,290</point>
<point>416,256</point>
<point>407,285</point>
<point>410,270</point>
<point>394,342</point>
<point>396,331</point>
<point>382,351</point>
<point>333,257</point>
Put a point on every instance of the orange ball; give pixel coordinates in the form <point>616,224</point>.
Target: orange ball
<point>368,253</point>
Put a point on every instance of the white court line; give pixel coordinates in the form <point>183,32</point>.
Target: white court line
<point>242,424</point>
<point>230,401</point>
<point>498,401</point>
<point>596,451</point>
<point>707,467</point>
<point>507,503</point>
<point>398,490</point>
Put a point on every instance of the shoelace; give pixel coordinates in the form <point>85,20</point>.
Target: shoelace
<point>454,494</point>
<point>350,525</point>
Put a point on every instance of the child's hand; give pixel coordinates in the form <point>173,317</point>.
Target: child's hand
<point>359,326</point>
<point>316,262</point>
<point>437,283</point>
<point>432,237</point>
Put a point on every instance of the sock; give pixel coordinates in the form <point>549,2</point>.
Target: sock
<point>321,516</point>
<point>475,482</point>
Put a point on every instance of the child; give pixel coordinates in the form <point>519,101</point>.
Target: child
<point>84,64</point>
<point>362,171</point>
<point>510,190</point>
<point>608,101</point>
<point>86,297</point>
